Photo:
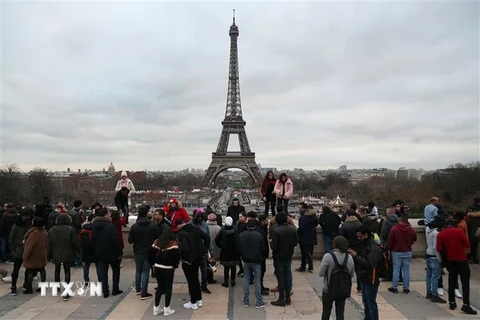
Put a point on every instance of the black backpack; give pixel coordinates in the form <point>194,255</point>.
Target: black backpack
<point>384,267</point>
<point>340,281</point>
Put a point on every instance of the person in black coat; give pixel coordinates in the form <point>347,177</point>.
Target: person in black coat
<point>234,210</point>
<point>108,251</point>
<point>121,201</point>
<point>307,237</point>
<point>193,247</point>
<point>142,235</point>
<point>330,223</point>
<point>227,241</point>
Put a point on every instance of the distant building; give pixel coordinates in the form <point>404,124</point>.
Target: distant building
<point>403,173</point>
<point>343,167</point>
<point>111,169</point>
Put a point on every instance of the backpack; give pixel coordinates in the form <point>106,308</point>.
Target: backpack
<point>340,280</point>
<point>384,267</point>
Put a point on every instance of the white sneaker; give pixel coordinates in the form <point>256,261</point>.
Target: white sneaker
<point>440,292</point>
<point>168,312</point>
<point>200,303</point>
<point>190,305</point>
<point>458,294</point>
<point>157,310</point>
<point>7,279</point>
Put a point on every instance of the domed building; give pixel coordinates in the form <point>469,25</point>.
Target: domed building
<point>111,169</point>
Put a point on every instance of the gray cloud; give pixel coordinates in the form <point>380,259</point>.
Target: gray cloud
<point>144,85</point>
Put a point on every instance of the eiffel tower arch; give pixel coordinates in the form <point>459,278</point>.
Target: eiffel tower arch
<point>233,123</point>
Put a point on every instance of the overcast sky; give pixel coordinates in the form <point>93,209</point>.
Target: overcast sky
<point>322,84</point>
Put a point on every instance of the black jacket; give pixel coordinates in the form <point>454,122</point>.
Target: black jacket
<point>264,231</point>
<point>161,225</point>
<point>252,246</point>
<point>105,240</point>
<point>234,212</point>
<point>227,241</point>
<point>142,235</point>
<point>76,220</point>
<point>193,243</point>
<point>88,251</point>
<point>349,231</point>
<point>121,201</point>
<point>365,262</point>
<point>330,223</point>
<point>63,244</point>
<point>284,241</point>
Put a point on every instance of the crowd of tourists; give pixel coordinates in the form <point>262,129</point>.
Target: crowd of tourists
<point>358,244</point>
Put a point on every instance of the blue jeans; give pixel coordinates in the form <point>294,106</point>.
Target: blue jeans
<point>401,261</point>
<point>142,273</point>
<point>433,274</point>
<point>369,299</point>
<point>256,269</point>
<point>86,271</point>
<point>283,272</point>
<point>328,243</point>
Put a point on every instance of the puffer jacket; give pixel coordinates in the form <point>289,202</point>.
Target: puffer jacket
<point>307,224</point>
<point>142,235</point>
<point>63,240</point>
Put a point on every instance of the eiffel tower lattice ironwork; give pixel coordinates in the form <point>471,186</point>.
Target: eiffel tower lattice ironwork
<point>233,123</point>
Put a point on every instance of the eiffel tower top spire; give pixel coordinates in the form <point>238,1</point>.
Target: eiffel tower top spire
<point>234,107</point>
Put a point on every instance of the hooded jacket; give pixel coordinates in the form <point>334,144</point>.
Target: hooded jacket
<point>63,241</point>
<point>307,224</point>
<point>214,230</point>
<point>366,262</point>
<point>17,234</point>
<point>193,243</point>
<point>227,241</point>
<point>349,231</point>
<point>142,235</point>
<point>105,240</point>
<point>401,238</point>
<point>388,223</point>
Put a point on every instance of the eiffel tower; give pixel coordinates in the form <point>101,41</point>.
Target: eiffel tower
<point>233,123</point>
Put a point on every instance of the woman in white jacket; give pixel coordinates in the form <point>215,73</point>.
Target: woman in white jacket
<point>126,182</point>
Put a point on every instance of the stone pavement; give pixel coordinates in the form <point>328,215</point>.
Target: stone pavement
<point>226,303</point>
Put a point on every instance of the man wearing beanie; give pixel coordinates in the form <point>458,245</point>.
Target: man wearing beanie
<point>77,219</point>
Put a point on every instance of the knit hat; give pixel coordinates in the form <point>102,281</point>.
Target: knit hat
<point>228,221</point>
<point>124,174</point>
<point>77,203</point>
<point>212,217</point>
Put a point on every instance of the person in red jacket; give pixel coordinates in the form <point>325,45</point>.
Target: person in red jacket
<point>268,194</point>
<point>174,211</point>
<point>451,243</point>
<point>400,241</point>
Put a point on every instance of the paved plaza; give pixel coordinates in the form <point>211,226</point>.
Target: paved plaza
<point>226,303</point>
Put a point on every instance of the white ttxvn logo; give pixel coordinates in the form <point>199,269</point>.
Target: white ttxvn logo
<point>72,289</point>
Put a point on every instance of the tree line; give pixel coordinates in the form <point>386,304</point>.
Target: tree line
<point>456,186</point>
